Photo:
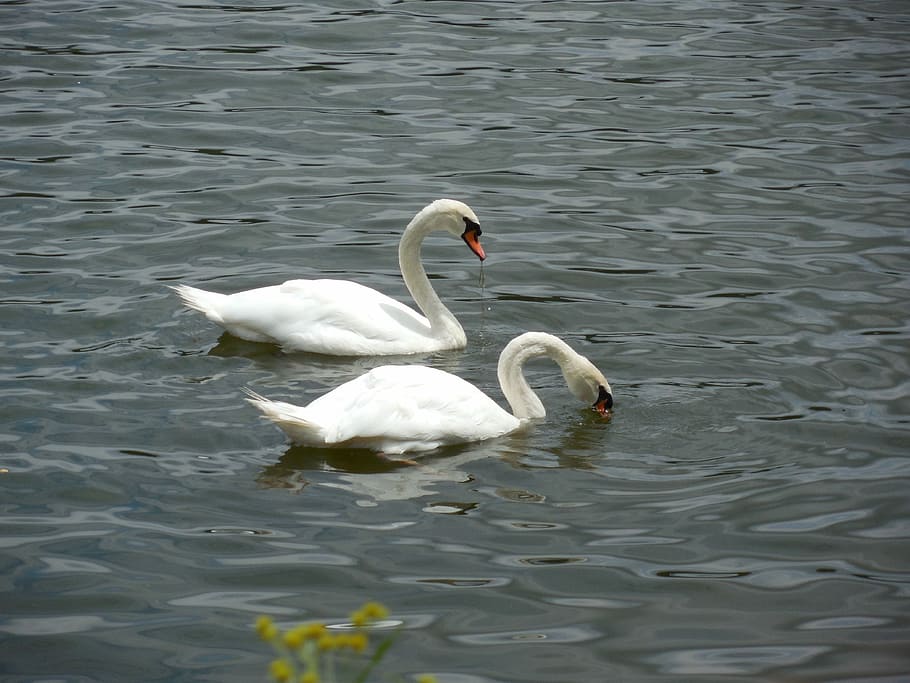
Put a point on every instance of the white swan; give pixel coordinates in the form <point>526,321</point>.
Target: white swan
<point>343,318</point>
<point>398,408</point>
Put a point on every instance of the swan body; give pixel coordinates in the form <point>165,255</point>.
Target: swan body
<point>343,318</point>
<point>400,408</point>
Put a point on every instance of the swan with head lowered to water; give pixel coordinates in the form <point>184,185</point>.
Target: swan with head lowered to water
<point>394,409</point>
<point>343,318</point>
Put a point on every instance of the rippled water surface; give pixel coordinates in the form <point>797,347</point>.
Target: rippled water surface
<point>707,199</point>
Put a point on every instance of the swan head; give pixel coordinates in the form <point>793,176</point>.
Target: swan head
<point>458,218</point>
<point>588,385</point>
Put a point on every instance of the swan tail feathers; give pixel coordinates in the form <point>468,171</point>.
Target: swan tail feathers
<point>207,303</point>
<point>288,418</point>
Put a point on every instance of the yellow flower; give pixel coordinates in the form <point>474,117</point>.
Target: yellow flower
<point>327,642</point>
<point>313,631</point>
<point>375,611</point>
<point>298,635</point>
<point>281,671</point>
<point>294,638</point>
<point>426,678</point>
<point>266,628</point>
<point>310,677</point>
<point>357,641</point>
<point>371,611</point>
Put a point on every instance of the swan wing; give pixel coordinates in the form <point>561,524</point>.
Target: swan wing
<point>409,407</point>
<point>325,316</point>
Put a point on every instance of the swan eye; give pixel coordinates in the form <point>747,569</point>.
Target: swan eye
<point>471,226</point>
<point>604,402</point>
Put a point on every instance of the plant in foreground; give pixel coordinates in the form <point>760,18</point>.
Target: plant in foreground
<point>309,653</point>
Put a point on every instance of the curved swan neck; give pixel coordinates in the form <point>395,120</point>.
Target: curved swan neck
<point>442,322</point>
<point>522,399</point>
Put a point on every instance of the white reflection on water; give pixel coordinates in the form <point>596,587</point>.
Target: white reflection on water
<point>735,660</point>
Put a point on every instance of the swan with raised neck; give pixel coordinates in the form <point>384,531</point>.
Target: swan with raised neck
<point>344,318</point>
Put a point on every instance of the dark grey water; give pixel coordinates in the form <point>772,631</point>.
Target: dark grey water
<point>708,199</point>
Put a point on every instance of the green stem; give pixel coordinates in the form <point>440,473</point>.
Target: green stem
<point>377,656</point>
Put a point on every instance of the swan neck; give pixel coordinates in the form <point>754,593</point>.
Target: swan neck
<point>442,322</point>
<point>523,400</point>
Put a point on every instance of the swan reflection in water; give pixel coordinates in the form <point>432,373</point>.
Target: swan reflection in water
<point>374,479</point>
<point>370,477</point>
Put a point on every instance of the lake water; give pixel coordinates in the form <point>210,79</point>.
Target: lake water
<point>710,200</point>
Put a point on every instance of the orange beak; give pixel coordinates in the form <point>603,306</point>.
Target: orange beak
<point>604,402</point>
<point>471,237</point>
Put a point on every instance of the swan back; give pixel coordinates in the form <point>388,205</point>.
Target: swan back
<point>393,409</point>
